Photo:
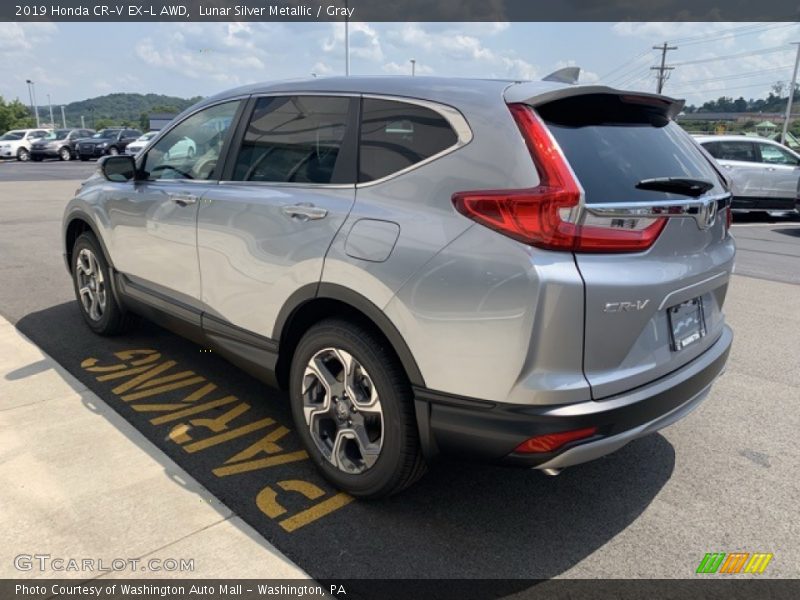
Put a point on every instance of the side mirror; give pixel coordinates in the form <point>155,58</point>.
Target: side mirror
<point>119,168</point>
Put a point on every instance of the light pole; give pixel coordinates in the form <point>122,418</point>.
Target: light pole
<point>791,96</point>
<point>32,96</point>
<point>50,104</point>
<point>346,43</point>
<point>413,67</point>
<point>63,118</point>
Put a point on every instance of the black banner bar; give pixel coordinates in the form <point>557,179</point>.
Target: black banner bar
<point>400,10</point>
<point>705,587</point>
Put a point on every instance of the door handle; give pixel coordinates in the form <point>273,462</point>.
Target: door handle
<point>183,199</point>
<point>304,211</point>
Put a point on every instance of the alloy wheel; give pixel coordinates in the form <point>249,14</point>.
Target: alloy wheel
<point>342,410</point>
<point>91,284</point>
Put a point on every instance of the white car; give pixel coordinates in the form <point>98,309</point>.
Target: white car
<point>183,148</point>
<point>17,142</point>
<point>139,143</point>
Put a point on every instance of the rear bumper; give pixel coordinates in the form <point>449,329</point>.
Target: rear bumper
<point>491,431</point>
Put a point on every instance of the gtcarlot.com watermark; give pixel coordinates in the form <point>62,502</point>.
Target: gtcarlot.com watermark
<point>60,564</point>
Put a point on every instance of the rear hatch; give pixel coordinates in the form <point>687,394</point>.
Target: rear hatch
<point>655,305</point>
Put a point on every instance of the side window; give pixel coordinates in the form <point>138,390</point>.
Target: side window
<point>726,150</point>
<point>297,139</point>
<point>191,149</point>
<point>776,155</point>
<point>396,135</point>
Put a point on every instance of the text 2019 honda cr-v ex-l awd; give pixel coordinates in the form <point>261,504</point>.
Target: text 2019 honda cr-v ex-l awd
<point>529,273</point>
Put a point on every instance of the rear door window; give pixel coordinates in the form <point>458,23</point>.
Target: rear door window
<point>732,150</point>
<point>612,145</point>
<point>298,139</point>
<point>396,135</point>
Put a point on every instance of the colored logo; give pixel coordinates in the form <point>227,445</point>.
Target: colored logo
<point>735,562</point>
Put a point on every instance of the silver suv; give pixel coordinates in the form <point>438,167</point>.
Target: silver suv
<point>530,273</point>
<point>765,175</point>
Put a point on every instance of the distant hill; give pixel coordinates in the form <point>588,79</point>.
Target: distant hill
<point>119,109</point>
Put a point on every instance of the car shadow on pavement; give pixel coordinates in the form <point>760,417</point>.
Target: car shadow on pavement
<point>461,520</point>
<point>786,231</point>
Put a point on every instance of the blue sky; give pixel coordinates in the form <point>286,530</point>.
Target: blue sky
<point>74,61</point>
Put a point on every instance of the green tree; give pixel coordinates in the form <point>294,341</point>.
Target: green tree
<point>14,115</point>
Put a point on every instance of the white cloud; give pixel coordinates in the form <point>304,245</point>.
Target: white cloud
<point>393,68</point>
<point>364,41</point>
<point>19,38</point>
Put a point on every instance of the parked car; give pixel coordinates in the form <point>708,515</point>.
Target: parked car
<point>529,273</point>
<point>59,143</point>
<point>765,174</point>
<point>183,148</point>
<point>17,142</point>
<point>136,146</point>
<point>107,141</point>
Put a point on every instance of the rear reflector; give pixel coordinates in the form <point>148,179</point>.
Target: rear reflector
<point>553,441</point>
<point>539,216</point>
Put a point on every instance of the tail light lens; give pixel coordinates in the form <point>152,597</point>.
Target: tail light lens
<point>540,216</point>
<point>728,219</point>
<point>551,442</point>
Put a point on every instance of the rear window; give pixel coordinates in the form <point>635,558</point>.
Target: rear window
<point>612,145</point>
<point>396,135</point>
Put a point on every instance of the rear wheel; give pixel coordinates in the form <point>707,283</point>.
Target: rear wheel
<point>92,282</point>
<point>353,408</point>
<point>64,154</point>
<point>23,154</point>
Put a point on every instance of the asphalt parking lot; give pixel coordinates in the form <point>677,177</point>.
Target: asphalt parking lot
<point>722,480</point>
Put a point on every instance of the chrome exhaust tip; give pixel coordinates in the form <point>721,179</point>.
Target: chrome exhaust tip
<point>552,472</point>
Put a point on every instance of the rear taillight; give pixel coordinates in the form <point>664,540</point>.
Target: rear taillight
<point>553,441</point>
<point>540,216</point>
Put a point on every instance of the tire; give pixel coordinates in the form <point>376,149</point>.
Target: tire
<point>64,154</point>
<point>113,151</point>
<point>393,460</point>
<point>108,318</point>
<point>23,155</point>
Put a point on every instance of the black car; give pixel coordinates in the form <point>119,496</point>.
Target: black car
<point>106,141</point>
<point>59,143</point>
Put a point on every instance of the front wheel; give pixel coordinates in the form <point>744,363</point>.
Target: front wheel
<point>353,408</point>
<point>92,282</point>
<point>64,154</point>
<point>23,155</point>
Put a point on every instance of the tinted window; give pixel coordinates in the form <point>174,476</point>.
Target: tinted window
<point>191,149</point>
<point>776,155</point>
<point>296,139</point>
<point>612,145</point>
<point>396,135</point>
<point>728,150</point>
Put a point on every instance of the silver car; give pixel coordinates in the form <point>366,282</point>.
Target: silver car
<point>529,273</point>
<point>765,175</point>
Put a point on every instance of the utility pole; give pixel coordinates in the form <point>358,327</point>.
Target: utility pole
<point>83,122</point>
<point>50,104</point>
<point>791,95</point>
<point>413,67</point>
<point>35,105</point>
<point>63,118</point>
<point>663,70</point>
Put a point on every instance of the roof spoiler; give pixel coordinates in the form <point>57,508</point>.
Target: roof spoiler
<point>534,94</point>
<point>565,75</point>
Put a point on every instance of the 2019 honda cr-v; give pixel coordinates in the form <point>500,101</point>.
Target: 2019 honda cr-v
<point>523,272</point>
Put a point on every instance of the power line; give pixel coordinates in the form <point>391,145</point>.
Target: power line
<point>737,76</point>
<point>705,40</point>
<point>728,56</point>
<point>726,88</point>
<point>723,32</point>
<point>628,73</point>
<point>625,64</point>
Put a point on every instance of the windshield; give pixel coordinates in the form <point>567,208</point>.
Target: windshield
<point>58,134</point>
<point>106,133</point>
<point>13,135</point>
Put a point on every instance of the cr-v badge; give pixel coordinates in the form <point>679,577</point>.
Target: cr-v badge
<point>616,307</point>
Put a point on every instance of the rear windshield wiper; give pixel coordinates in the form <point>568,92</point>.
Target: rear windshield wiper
<point>677,185</point>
